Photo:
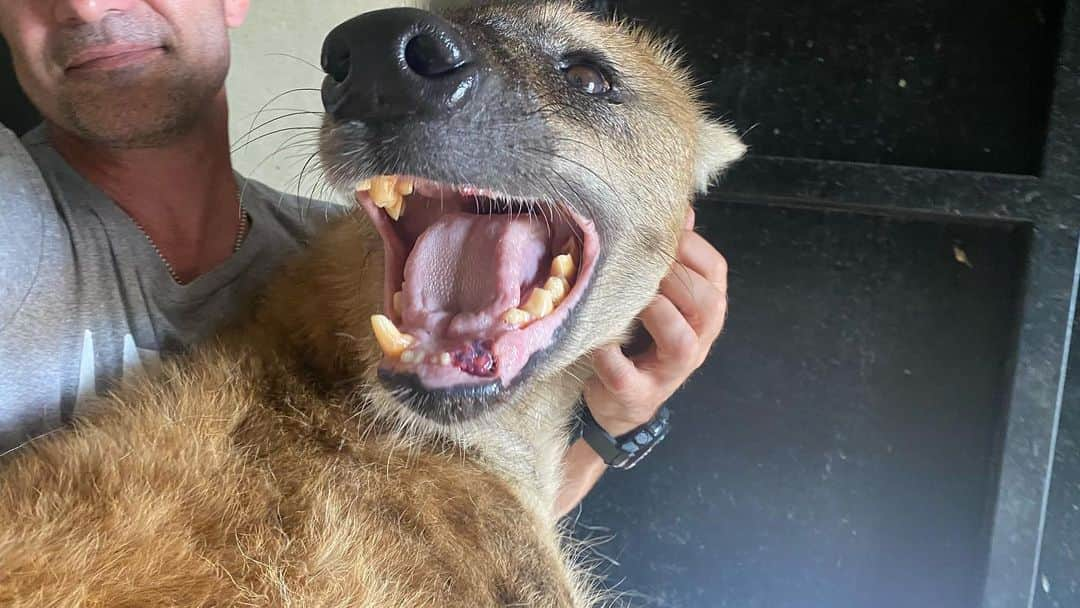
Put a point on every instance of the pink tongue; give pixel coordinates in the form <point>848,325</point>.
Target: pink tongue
<point>466,270</point>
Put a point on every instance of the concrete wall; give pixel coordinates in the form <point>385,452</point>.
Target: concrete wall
<point>260,71</point>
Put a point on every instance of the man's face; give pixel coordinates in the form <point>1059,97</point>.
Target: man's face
<point>126,73</point>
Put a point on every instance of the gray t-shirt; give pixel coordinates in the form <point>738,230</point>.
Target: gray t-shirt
<point>85,299</point>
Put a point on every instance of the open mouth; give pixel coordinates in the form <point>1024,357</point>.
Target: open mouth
<point>477,283</point>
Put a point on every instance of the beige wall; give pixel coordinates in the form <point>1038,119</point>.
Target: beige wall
<point>295,27</point>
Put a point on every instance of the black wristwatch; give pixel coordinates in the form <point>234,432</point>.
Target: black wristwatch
<point>625,451</point>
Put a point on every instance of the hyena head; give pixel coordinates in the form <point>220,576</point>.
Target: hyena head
<point>529,167</point>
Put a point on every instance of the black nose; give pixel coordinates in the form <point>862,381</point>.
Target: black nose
<point>396,63</point>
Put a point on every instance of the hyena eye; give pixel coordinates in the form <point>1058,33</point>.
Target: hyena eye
<point>587,78</point>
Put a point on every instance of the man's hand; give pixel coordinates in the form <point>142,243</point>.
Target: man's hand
<point>626,392</point>
<point>683,321</point>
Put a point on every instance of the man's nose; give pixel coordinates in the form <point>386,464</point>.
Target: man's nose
<point>397,63</point>
<point>87,11</point>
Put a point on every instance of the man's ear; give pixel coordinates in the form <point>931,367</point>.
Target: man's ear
<point>718,147</point>
<point>236,12</point>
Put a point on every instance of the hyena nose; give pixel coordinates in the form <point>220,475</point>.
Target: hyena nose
<point>396,63</point>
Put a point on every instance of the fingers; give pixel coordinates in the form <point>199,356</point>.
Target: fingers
<point>701,302</point>
<point>699,255</point>
<point>683,321</point>
<point>677,342</point>
<point>617,373</point>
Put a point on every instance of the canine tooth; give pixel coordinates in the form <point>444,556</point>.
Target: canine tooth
<point>405,186</point>
<point>398,305</point>
<point>396,208</point>
<point>390,339</point>
<point>516,317</point>
<point>563,267</point>
<point>383,191</point>
<point>540,303</point>
<point>558,287</point>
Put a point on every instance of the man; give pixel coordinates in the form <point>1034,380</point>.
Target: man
<point>127,233</point>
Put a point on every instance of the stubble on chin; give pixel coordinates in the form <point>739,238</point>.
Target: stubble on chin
<point>138,106</point>
<point>135,115</point>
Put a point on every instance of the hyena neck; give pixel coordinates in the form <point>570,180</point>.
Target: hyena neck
<point>525,443</point>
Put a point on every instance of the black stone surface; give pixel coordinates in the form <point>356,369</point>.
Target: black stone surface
<point>1058,585</point>
<point>840,447</point>
<point>929,83</point>
<point>1058,581</point>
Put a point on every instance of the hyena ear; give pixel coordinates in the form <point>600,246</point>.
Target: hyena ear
<point>718,147</point>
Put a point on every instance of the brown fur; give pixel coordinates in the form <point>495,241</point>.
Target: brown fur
<point>268,467</point>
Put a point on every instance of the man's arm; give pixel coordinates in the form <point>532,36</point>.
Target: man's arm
<point>684,320</point>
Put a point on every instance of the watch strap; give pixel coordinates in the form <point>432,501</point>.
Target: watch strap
<point>625,451</point>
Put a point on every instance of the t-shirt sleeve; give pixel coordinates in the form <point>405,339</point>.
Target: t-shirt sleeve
<point>24,201</point>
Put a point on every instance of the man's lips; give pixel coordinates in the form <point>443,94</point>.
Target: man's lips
<point>112,56</point>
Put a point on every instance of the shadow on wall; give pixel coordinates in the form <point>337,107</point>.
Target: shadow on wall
<point>16,112</point>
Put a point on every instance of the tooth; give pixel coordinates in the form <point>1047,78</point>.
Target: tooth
<point>540,303</point>
<point>516,317</point>
<point>382,191</point>
<point>398,306</point>
<point>444,359</point>
<point>390,339</point>
<point>563,267</point>
<point>411,357</point>
<point>405,186</point>
<point>558,287</point>
<point>363,185</point>
<point>396,208</point>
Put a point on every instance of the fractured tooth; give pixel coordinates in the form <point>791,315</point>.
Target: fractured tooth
<point>405,186</point>
<point>398,302</point>
<point>390,339</point>
<point>516,317</point>
<point>540,303</point>
<point>558,287</point>
<point>363,185</point>
<point>563,267</point>
<point>382,190</point>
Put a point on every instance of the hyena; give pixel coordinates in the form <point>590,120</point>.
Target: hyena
<point>386,427</point>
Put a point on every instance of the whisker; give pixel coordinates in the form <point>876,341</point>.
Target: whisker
<point>294,57</point>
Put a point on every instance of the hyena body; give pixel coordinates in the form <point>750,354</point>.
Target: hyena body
<point>301,459</point>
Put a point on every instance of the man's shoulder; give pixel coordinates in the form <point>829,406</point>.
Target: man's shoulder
<point>25,204</point>
<point>299,217</point>
<point>19,174</point>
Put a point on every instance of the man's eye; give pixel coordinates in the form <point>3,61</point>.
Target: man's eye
<point>587,78</point>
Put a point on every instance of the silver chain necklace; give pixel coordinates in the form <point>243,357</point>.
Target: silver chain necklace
<point>241,233</point>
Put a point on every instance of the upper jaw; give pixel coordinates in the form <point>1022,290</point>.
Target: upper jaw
<point>452,375</point>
